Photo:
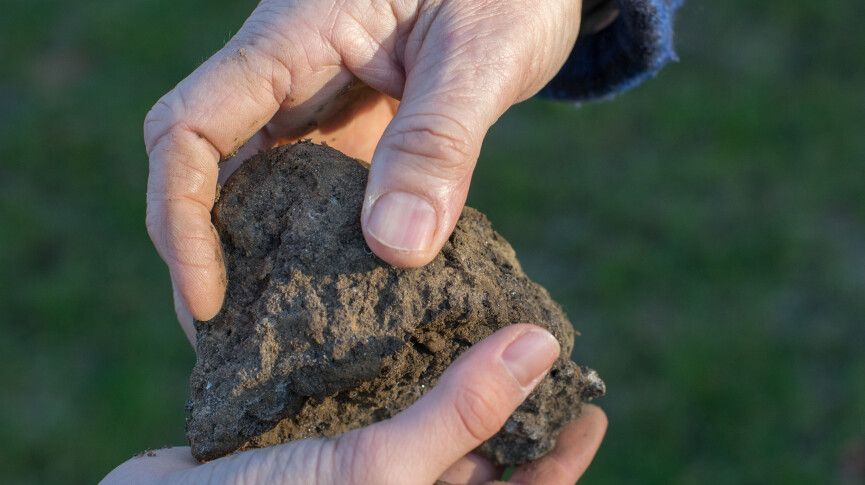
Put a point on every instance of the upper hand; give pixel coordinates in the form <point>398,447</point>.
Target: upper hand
<point>333,69</point>
<point>430,440</point>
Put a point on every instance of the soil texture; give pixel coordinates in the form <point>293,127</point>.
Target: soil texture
<point>317,336</point>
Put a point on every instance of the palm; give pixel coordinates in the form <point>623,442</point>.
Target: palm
<point>431,439</point>
<point>353,130</point>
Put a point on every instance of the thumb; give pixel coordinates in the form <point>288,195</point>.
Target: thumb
<point>459,80</point>
<point>471,402</point>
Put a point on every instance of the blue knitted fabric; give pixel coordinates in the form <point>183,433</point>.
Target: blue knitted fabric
<point>627,52</point>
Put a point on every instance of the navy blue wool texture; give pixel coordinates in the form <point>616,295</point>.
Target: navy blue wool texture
<point>627,52</point>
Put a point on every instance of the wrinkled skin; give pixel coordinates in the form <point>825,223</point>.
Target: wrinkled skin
<point>430,440</point>
<point>332,70</point>
<point>413,86</point>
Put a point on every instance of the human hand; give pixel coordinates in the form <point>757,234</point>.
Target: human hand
<point>430,440</point>
<point>332,69</point>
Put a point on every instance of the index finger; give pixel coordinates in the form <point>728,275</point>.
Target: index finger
<point>211,114</point>
<point>200,122</point>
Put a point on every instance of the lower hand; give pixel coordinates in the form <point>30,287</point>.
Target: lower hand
<point>431,440</point>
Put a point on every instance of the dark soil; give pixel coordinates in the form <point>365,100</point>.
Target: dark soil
<point>317,336</point>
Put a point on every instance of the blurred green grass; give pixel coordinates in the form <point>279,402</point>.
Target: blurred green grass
<point>705,232</point>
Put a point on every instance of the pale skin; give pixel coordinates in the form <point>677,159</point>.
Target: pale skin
<point>410,85</point>
<point>432,439</point>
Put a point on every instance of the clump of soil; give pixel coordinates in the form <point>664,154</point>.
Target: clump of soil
<point>317,336</point>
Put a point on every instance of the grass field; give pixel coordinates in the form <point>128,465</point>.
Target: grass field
<point>705,232</point>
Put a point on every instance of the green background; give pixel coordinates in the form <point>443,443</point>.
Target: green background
<point>705,232</point>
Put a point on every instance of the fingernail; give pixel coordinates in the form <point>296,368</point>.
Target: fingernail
<point>402,221</point>
<point>531,355</point>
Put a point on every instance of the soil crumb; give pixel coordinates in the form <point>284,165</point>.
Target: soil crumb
<point>317,336</point>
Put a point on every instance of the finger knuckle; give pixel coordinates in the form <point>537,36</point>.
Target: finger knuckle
<point>160,119</point>
<point>152,220</point>
<point>274,56</point>
<point>477,412</point>
<point>363,455</point>
<point>188,177</point>
<point>441,144</point>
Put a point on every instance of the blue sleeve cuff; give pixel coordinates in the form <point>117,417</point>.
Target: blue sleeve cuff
<point>633,48</point>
